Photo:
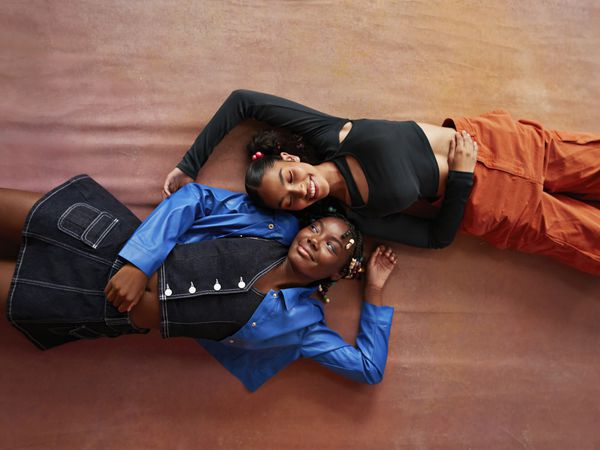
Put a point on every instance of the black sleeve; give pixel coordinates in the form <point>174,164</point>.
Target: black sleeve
<point>438,232</point>
<point>320,129</point>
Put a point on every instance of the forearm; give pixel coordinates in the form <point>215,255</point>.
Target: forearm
<point>316,127</point>
<point>231,112</point>
<point>449,217</point>
<point>149,246</point>
<point>365,362</point>
<point>373,295</point>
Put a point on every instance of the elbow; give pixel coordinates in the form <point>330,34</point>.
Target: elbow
<point>378,378</point>
<point>372,374</point>
<point>375,377</point>
<point>239,95</point>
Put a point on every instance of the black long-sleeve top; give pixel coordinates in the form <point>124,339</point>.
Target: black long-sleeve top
<point>396,158</point>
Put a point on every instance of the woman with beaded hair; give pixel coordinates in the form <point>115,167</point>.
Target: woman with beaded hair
<point>513,183</point>
<point>206,264</point>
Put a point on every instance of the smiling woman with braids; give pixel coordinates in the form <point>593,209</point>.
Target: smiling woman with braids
<point>514,183</point>
<point>206,264</point>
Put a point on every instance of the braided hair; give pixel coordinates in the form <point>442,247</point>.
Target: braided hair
<point>354,266</point>
<point>273,142</point>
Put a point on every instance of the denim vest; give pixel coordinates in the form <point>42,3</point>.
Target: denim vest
<point>226,267</point>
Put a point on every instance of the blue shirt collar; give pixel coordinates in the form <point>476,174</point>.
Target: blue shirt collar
<point>292,296</point>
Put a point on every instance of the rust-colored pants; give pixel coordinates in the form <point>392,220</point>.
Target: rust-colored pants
<point>535,190</point>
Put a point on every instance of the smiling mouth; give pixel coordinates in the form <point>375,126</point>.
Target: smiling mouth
<point>305,253</point>
<point>312,190</point>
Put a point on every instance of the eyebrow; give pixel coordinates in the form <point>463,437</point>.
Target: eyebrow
<point>320,222</point>
<point>279,205</point>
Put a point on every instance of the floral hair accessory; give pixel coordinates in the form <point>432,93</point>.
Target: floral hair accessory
<point>257,155</point>
<point>355,268</point>
<point>349,244</point>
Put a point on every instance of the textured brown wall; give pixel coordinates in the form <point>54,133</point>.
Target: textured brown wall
<point>489,348</point>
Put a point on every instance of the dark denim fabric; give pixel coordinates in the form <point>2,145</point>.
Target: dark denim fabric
<point>209,285</point>
<point>71,240</point>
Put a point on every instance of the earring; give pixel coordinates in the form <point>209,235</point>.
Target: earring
<point>323,293</point>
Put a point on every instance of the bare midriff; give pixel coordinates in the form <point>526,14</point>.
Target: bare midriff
<point>439,138</point>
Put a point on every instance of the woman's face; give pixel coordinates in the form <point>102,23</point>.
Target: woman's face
<point>319,250</point>
<point>292,185</point>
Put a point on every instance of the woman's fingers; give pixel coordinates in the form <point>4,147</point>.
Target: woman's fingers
<point>387,253</point>
<point>464,153</point>
<point>171,184</point>
<point>452,150</point>
<point>460,142</point>
<point>166,190</point>
<point>119,299</point>
<point>133,303</point>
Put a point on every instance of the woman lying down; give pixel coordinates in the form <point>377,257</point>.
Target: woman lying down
<point>206,264</point>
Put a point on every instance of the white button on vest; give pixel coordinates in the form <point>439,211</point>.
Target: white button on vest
<point>192,289</point>
<point>231,341</point>
<point>241,284</point>
<point>217,286</point>
<point>168,291</point>
<point>253,324</point>
<point>275,294</point>
<point>271,226</point>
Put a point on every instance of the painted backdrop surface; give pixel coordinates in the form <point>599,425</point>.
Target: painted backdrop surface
<point>489,348</point>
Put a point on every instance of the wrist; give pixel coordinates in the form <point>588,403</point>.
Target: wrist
<point>373,294</point>
<point>134,269</point>
<point>373,288</point>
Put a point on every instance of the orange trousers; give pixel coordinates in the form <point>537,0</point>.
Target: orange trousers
<point>535,190</point>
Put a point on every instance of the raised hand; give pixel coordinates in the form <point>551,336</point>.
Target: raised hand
<point>175,179</point>
<point>463,153</point>
<point>380,266</point>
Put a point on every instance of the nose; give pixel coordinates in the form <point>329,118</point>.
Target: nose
<point>313,242</point>
<point>298,190</point>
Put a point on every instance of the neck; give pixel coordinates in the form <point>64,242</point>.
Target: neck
<point>337,184</point>
<point>280,277</point>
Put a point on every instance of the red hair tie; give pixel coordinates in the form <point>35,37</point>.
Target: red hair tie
<point>257,155</point>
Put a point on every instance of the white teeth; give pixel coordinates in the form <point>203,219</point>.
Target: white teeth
<point>311,189</point>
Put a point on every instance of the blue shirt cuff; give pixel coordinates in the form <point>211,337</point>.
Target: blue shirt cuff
<point>138,256</point>
<point>381,315</point>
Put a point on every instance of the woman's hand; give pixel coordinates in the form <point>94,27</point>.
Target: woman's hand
<point>125,289</point>
<point>175,180</point>
<point>463,153</point>
<point>380,266</point>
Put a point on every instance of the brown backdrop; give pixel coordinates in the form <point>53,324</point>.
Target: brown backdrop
<point>489,348</point>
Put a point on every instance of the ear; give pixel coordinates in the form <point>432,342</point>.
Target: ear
<point>289,157</point>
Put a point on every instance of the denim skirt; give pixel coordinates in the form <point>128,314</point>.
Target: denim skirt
<point>71,240</point>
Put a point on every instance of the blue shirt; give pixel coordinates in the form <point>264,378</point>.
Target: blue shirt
<point>288,324</point>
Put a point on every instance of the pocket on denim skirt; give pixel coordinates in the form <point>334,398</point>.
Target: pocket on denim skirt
<point>86,223</point>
